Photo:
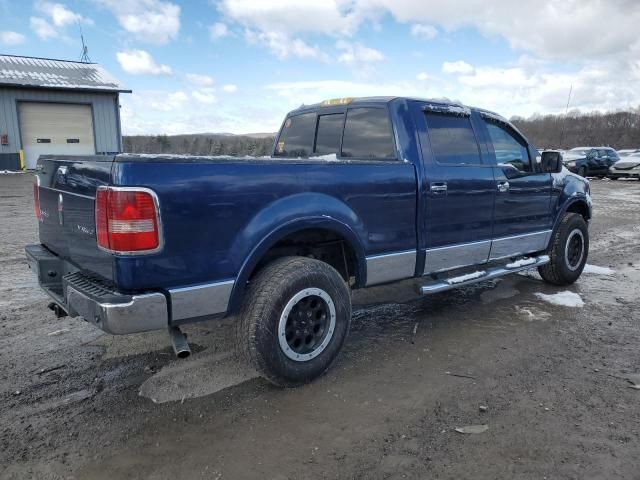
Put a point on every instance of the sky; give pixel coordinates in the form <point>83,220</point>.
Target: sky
<point>239,66</point>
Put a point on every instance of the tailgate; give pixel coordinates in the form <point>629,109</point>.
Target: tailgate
<point>67,201</point>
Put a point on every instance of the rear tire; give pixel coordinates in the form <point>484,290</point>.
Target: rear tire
<point>568,251</point>
<point>294,320</point>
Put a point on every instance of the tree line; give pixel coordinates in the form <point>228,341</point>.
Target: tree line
<point>199,144</point>
<point>614,129</point>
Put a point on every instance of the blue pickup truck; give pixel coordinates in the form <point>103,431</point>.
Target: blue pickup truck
<point>357,192</point>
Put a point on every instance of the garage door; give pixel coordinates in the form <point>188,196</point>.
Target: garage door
<point>55,128</point>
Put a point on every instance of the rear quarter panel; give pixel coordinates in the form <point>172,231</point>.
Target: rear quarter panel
<point>216,214</point>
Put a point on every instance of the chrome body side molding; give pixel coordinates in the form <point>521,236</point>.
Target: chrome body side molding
<point>200,300</point>
<point>456,256</point>
<point>390,266</point>
<point>519,244</point>
<point>477,253</point>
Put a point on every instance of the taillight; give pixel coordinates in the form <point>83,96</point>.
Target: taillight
<point>36,197</point>
<point>127,220</point>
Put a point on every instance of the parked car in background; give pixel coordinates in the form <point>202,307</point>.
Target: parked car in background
<point>628,151</point>
<point>590,161</point>
<point>627,167</point>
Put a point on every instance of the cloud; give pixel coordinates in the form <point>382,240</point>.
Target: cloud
<point>422,76</point>
<point>218,30</point>
<point>230,88</point>
<point>205,95</point>
<point>281,25</point>
<point>357,54</point>
<point>574,30</point>
<point>293,16</point>
<point>139,62</point>
<point>424,32</point>
<point>43,29</point>
<point>60,15</point>
<point>53,19</point>
<point>152,21</point>
<point>283,46</point>
<point>11,38</point>
<point>172,112</point>
<point>200,80</point>
<point>458,67</point>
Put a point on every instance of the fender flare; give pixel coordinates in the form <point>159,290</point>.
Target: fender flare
<point>280,232</point>
<point>580,198</point>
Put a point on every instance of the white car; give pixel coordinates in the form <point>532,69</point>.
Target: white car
<point>627,167</point>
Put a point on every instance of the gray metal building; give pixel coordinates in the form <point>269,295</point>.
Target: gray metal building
<point>56,107</point>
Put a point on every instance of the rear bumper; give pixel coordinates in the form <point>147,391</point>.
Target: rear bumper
<point>83,296</point>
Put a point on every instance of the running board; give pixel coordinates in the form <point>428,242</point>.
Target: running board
<point>483,275</point>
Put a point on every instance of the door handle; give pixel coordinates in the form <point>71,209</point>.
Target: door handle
<point>503,186</point>
<point>438,187</point>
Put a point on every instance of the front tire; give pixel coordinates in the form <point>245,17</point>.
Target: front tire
<point>568,252</point>
<point>294,320</point>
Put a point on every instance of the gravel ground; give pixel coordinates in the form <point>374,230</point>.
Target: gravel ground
<point>75,403</point>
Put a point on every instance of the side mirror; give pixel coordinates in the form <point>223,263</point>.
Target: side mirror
<point>551,162</point>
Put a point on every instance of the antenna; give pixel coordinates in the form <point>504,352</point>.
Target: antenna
<point>84,56</point>
<point>564,120</point>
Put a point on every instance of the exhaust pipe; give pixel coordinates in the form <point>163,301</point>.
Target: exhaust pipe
<point>179,342</point>
<point>57,309</point>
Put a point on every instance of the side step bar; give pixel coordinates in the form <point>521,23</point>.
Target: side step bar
<point>482,275</point>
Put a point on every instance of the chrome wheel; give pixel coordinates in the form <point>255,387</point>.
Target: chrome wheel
<point>307,324</point>
<point>574,249</point>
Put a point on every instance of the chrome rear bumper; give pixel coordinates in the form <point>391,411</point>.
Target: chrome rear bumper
<point>79,295</point>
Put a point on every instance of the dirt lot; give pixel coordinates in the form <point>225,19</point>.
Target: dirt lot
<point>75,403</point>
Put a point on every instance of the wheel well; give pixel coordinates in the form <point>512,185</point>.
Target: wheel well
<point>321,244</point>
<point>580,208</point>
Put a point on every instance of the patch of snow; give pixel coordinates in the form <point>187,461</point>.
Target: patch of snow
<point>564,299</point>
<point>331,157</point>
<point>8,172</point>
<point>464,278</point>
<point>452,108</point>
<point>596,270</point>
<point>521,263</point>
<point>186,156</point>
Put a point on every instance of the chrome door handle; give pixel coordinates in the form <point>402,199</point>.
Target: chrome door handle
<point>503,186</point>
<point>439,187</point>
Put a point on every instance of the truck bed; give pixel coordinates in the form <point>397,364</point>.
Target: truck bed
<point>216,210</point>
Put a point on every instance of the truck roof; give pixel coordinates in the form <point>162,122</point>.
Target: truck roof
<point>386,99</point>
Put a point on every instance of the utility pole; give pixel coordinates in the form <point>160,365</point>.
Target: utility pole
<point>564,120</point>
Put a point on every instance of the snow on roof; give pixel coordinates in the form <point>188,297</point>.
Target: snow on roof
<point>59,74</point>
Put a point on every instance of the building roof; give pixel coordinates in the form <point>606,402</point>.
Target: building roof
<point>32,72</point>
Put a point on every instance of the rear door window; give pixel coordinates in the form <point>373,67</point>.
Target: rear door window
<point>367,134</point>
<point>510,149</point>
<point>452,139</point>
<point>296,138</point>
<point>329,134</point>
